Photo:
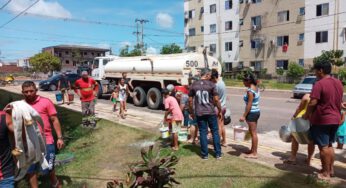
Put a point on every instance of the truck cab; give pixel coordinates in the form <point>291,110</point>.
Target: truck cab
<point>98,66</point>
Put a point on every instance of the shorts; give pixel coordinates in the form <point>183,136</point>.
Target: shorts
<point>186,114</point>
<point>323,135</point>
<point>341,139</point>
<point>114,101</point>
<point>88,108</point>
<point>7,182</point>
<point>176,125</point>
<point>253,116</point>
<point>50,157</point>
<point>122,98</point>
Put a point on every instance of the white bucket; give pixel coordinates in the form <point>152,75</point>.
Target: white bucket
<point>182,135</point>
<point>241,133</point>
<point>164,132</point>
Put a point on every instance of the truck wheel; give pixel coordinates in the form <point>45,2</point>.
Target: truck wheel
<point>139,99</point>
<point>154,98</point>
<point>100,91</point>
<point>52,87</point>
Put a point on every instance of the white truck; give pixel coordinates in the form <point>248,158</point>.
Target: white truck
<point>148,75</point>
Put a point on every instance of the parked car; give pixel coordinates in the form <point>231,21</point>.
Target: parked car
<point>51,83</point>
<point>305,86</point>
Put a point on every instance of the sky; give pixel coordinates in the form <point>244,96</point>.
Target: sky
<point>98,23</point>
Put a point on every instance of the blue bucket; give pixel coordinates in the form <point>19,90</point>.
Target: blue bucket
<point>58,97</point>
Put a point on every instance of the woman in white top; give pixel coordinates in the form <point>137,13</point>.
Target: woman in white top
<point>123,91</point>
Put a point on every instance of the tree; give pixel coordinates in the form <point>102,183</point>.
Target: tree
<point>332,56</point>
<point>295,71</point>
<point>136,51</point>
<point>45,62</point>
<point>77,56</point>
<point>171,49</point>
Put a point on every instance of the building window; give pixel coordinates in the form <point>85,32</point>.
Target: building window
<point>74,63</point>
<point>98,54</point>
<point>202,29</point>
<point>256,21</point>
<point>67,62</point>
<point>322,9</point>
<point>228,66</point>
<point>228,46</point>
<point>302,11</point>
<point>241,1</point>
<point>281,40</point>
<point>192,32</point>
<point>228,4</point>
<point>212,8</point>
<point>92,53</point>
<point>66,52</point>
<point>321,36</point>
<point>282,64</point>
<point>256,44</point>
<point>201,11</point>
<point>228,25</point>
<point>257,65</point>
<point>240,65</point>
<point>301,62</point>
<point>191,48</point>
<point>241,43</point>
<point>59,54</point>
<point>191,14</point>
<point>241,21</point>
<point>85,53</point>
<point>301,37</point>
<point>212,48</point>
<point>213,28</point>
<point>256,1</point>
<point>284,16</point>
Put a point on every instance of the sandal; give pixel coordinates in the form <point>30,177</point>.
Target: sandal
<point>250,156</point>
<point>175,148</point>
<point>288,161</point>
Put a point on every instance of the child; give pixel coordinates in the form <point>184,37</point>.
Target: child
<point>341,133</point>
<point>114,99</point>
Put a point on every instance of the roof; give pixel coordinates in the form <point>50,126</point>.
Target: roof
<point>82,47</point>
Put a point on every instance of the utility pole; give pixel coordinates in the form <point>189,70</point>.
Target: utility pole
<point>137,33</point>
<point>142,22</point>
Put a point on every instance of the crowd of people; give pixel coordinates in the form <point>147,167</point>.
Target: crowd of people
<point>201,107</point>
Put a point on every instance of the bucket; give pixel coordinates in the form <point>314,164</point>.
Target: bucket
<point>58,97</point>
<point>241,133</point>
<point>300,130</point>
<point>164,132</point>
<point>285,134</point>
<point>183,135</point>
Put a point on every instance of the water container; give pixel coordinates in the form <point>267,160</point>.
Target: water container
<point>300,129</point>
<point>164,132</point>
<point>285,134</point>
<point>241,132</point>
<point>58,97</point>
<point>183,135</point>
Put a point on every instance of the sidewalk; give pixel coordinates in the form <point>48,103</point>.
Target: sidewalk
<point>271,149</point>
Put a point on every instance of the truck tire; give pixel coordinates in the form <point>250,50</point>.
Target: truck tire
<point>140,98</point>
<point>154,98</point>
<point>100,91</point>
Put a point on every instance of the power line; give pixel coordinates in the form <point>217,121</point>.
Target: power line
<point>9,21</point>
<point>3,6</point>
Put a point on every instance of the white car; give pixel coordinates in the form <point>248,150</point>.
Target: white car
<point>305,86</point>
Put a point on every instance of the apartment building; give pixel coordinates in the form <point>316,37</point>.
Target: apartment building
<point>72,56</point>
<point>216,27</point>
<point>325,27</point>
<point>194,27</point>
<point>271,34</point>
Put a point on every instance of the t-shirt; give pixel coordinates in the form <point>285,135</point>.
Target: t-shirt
<point>7,164</point>
<point>329,92</point>
<point>86,89</point>
<point>184,101</point>
<point>45,108</point>
<point>203,91</point>
<point>172,104</point>
<point>221,90</point>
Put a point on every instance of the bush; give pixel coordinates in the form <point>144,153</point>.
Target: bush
<point>342,75</point>
<point>295,71</point>
<point>280,71</point>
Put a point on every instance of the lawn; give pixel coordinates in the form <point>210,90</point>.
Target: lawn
<point>269,84</point>
<point>103,154</point>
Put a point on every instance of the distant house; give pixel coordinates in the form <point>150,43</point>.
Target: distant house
<point>10,67</point>
<point>24,63</point>
<point>72,56</point>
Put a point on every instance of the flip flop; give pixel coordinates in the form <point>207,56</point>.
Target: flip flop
<point>287,161</point>
<point>251,157</point>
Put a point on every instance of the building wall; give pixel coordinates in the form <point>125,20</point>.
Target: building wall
<point>193,42</point>
<point>220,17</point>
<point>270,52</point>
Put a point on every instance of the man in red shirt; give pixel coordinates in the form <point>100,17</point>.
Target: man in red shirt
<point>48,113</point>
<point>86,88</point>
<point>324,112</point>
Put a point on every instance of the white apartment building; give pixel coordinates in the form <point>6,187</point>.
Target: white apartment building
<point>325,27</point>
<point>218,31</point>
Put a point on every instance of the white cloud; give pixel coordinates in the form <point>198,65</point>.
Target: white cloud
<point>151,50</point>
<point>164,20</point>
<point>43,7</point>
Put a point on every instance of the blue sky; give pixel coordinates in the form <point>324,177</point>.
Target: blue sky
<point>29,33</point>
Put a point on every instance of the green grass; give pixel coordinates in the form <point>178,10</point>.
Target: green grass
<point>103,154</point>
<point>269,84</point>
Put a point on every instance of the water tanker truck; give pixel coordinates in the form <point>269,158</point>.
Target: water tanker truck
<point>148,75</point>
